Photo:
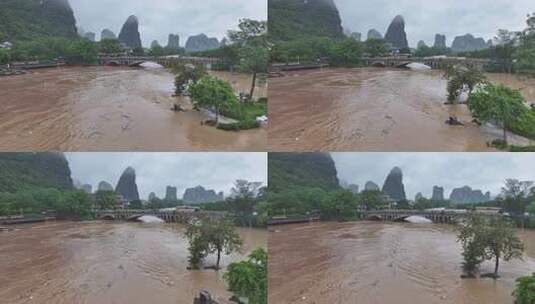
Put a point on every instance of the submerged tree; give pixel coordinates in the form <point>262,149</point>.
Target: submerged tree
<point>214,93</point>
<point>497,104</point>
<point>502,243</point>
<point>462,79</point>
<point>488,239</point>
<point>210,236</point>
<point>249,278</point>
<point>187,74</point>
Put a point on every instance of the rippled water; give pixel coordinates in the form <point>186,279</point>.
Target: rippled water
<point>375,109</point>
<point>382,263</point>
<point>101,262</point>
<point>109,108</point>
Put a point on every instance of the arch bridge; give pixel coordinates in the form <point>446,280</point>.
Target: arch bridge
<point>433,62</point>
<point>447,217</point>
<point>181,217</point>
<point>166,61</point>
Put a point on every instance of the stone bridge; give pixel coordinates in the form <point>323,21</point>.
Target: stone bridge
<point>433,62</point>
<point>448,217</point>
<point>166,61</point>
<point>181,217</point>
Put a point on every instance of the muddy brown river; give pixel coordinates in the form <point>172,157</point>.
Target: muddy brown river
<point>101,262</point>
<point>375,109</point>
<point>382,263</point>
<point>110,109</point>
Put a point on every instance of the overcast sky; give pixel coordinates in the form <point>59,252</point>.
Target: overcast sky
<point>425,18</point>
<point>155,171</point>
<point>159,18</point>
<point>422,171</point>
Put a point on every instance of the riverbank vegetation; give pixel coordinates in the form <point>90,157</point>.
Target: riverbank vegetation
<point>74,204</point>
<point>485,238</point>
<point>525,290</point>
<point>248,279</point>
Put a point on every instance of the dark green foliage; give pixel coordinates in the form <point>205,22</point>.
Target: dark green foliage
<point>375,47</point>
<point>525,290</point>
<point>210,236</point>
<point>287,171</point>
<point>249,278</point>
<point>75,51</point>
<point>486,238</point>
<point>186,75</point>
<point>25,20</point>
<point>214,93</point>
<point>426,51</point>
<point>110,46</point>
<point>24,171</point>
<point>290,20</point>
<point>5,56</point>
<point>462,79</point>
<point>106,200</point>
<point>503,106</point>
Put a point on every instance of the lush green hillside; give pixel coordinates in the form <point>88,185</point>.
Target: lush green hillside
<point>301,170</point>
<point>295,19</point>
<point>21,171</point>
<point>32,19</point>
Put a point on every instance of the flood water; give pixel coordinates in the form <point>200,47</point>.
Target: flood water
<point>104,262</point>
<point>382,263</point>
<point>375,109</point>
<point>110,109</point>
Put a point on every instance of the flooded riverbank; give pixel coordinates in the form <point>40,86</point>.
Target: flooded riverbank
<point>385,263</point>
<point>109,109</point>
<point>375,109</point>
<point>105,262</point>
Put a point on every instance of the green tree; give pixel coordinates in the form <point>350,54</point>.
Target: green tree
<point>531,209</point>
<point>525,53</point>
<point>82,51</point>
<point>110,46</point>
<point>249,278</point>
<point>516,196</point>
<point>5,56</point>
<point>137,204</point>
<point>472,238</point>
<point>214,93</point>
<point>74,204</point>
<point>525,290</point>
<point>254,60</point>
<point>497,104</point>
<point>106,200</point>
<point>250,32</point>
<point>187,74</point>
<point>462,79</point>
<point>488,239</point>
<point>372,200</point>
<point>347,52</point>
<point>210,236</point>
<point>375,47</point>
<point>157,51</point>
<point>502,242</point>
<point>341,205</point>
